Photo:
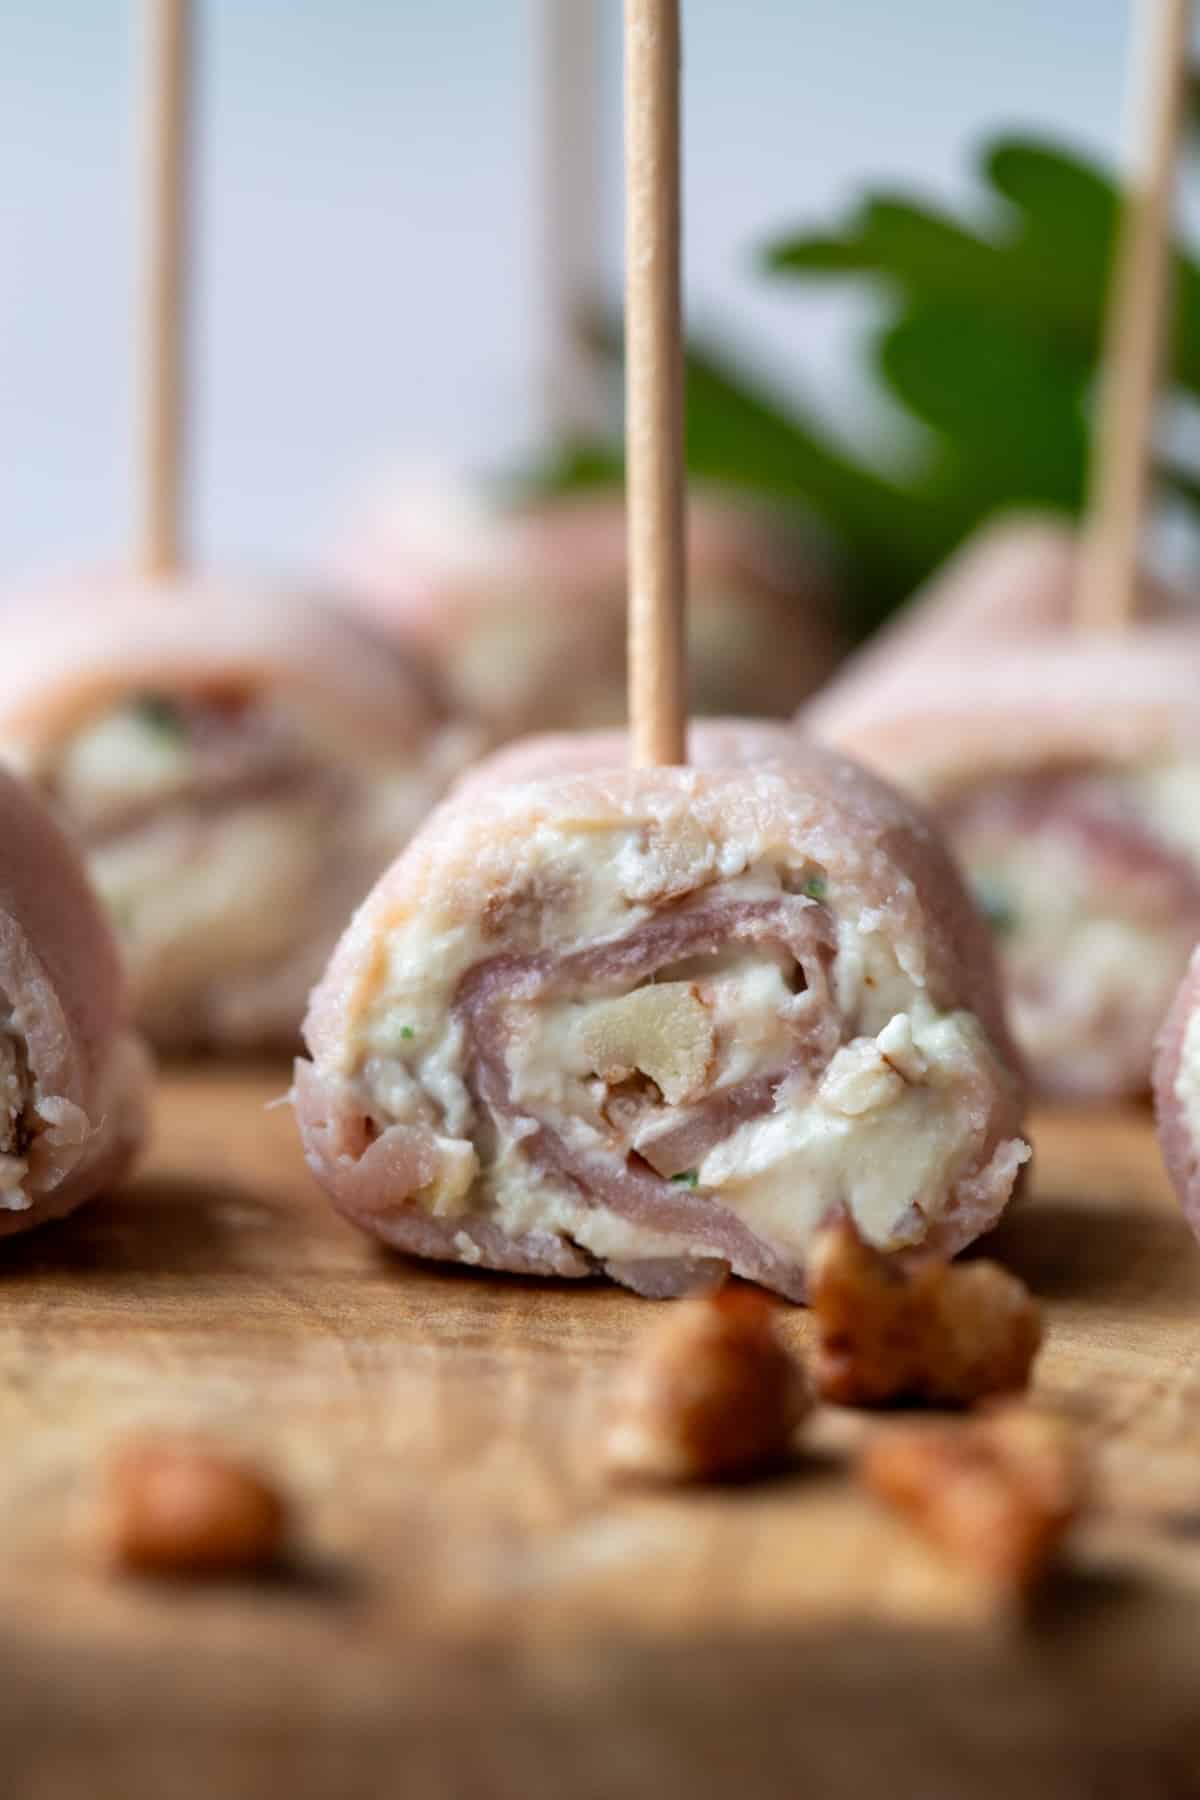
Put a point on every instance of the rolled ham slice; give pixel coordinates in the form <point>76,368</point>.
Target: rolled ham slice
<point>525,610</point>
<point>1011,583</point>
<point>661,1024</point>
<point>1011,586</point>
<point>72,1073</point>
<point>238,764</point>
<point>1067,776</point>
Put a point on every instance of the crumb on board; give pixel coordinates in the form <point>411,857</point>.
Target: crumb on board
<point>187,1508</point>
<point>927,1331</point>
<point>710,1393</point>
<point>995,1492</point>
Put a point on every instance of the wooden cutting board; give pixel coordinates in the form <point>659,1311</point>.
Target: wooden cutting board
<point>475,1612</point>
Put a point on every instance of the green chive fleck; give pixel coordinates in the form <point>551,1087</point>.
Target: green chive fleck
<point>996,907</point>
<point>406,1031</point>
<point>158,713</point>
<point>815,888</point>
<point>688,1178</point>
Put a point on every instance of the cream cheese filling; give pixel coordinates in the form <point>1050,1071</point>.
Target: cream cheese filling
<point>886,1130</point>
<point>525,655</point>
<point>885,1135</point>
<point>1083,967</point>
<point>128,754</point>
<point>14,1113</point>
<point>199,895</point>
<point>1168,794</point>
<point>195,899</point>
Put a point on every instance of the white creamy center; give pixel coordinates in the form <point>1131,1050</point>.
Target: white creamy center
<point>1092,961</point>
<point>885,1131</point>
<point>204,888</point>
<point>14,1109</point>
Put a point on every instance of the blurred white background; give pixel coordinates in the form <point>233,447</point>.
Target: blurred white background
<point>365,272</point>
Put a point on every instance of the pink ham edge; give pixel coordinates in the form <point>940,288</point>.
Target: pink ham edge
<point>60,974</point>
<point>940,721</point>
<point>1010,585</point>
<point>880,836</point>
<point>78,643</point>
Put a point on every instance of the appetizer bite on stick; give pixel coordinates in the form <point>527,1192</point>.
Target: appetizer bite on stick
<point>237,766</point>
<point>1066,780</point>
<point>1064,762</point>
<point>525,611</point>
<point>1061,765</point>
<point>662,1023</point>
<point>72,1073</point>
<point>237,762</point>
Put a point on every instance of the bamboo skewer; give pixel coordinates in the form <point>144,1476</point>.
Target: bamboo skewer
<point>158,349</point>
<point>570,208</point>
<point>1136,327</point>
<point>654,385</point>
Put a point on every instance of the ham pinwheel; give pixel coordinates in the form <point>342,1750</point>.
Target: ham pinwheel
<point>72,1073</point>
<point>1067,777</point>
<point>662,1024</point>
<point>525,610</point>
<point>238,766</point>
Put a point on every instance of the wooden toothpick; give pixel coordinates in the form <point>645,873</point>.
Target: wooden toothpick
<point>654,385</point>
<point>1136,326</point>
<point>158,350</point>
<point>570,215</point>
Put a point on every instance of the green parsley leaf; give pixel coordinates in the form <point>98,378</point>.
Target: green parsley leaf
<point>816,888</point>
<point>987,333</point>
<point>687,1178</point>
<point>406,1031</point>
<point>157,712</point>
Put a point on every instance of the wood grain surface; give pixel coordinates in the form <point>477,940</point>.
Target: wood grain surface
<point>474,1611</point>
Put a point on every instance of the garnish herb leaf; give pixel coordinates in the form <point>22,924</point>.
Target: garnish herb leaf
<point>989,339</point>
<point>158,712</point>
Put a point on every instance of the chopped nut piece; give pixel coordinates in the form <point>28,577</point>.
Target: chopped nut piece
<point>668,861</point>
<point>664,1031</point>
<point>519,913</point>
<point>928,1331</point>
<point>859,1080</point>
<point>184,1509</point>
<point>997,1492</point>
<point>709,1394</point>
<point>897,1048</point>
